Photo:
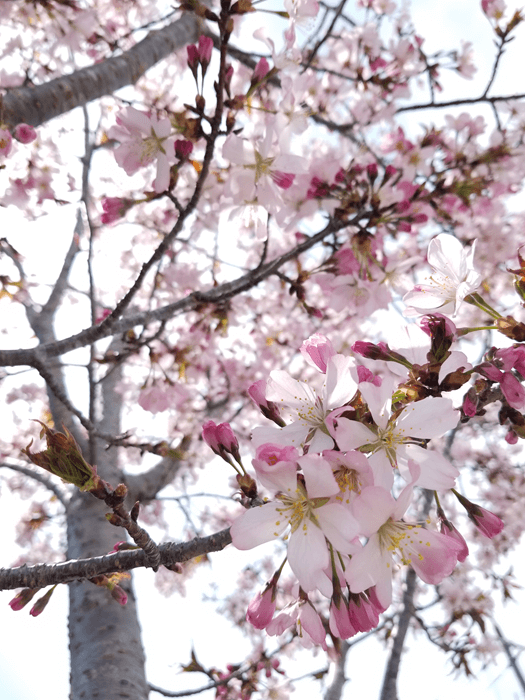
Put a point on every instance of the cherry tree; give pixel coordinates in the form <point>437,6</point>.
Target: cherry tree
<point>278,287</point>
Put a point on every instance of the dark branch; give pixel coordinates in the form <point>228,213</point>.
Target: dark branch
<point>219,294</point>
<point>459,102</point>
<point>144,487</point>
<point>42,575</point>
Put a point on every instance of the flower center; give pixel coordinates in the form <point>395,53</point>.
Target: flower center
<point>261,166</point>
<point>297,509</point>
<point>406,539</point>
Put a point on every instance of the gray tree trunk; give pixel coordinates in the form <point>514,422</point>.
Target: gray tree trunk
<point>107,657</point>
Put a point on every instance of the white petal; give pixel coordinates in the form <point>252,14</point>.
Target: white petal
<point>318,475</point>
<point>351,434</point>
<point>437,473</point>
<point>258,525</point>
<point>307,554</point>
<point>431,417</point>
<point>339,526</point>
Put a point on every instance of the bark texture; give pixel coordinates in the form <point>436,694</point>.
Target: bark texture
<point>37,105</point>
<point>107,657</point>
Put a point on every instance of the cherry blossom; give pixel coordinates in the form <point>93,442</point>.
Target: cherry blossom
<point>454,277</point>
<point>395,440</point>
<point>432,555</point>
<point>308,409</point>
<point>143,140</point>
<point>312,518</point>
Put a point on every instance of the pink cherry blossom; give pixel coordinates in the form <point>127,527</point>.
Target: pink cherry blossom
<point>432,555</point>
<point>24,133</point>
<point>313,521</point>
<point>392,442</point>
<point>143,140</point>
<point>6,142</point>
<point>308,409</point>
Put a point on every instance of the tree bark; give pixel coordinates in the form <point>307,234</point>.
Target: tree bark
<point>335,690</point>
<point>37,105</point>
<point>389,689</point>
<point>107,657</point>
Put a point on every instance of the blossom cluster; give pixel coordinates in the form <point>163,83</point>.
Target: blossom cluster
<point>334,460</point>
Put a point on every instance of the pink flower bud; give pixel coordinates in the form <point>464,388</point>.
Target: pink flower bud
<point>317,350</point>
<point>436,323</point>
<point>183,148</point>
<point>257,393</point>
<point>489,524</point>
<point>448,529</point>
<point>24,133</point>
<point>262,608</point>
<point>210,437</point>
<point>470,404</point>
<point>114,208</point>
<point>511,438</point>
<point>41,603</point>
<point>221,439</point>
<point>227,439</point>
<point>390,171</point>
<point>22,598</point>
<point>193,56</point>
<point>513,390</point>
<point>204,49</point>
<point>371,170</point>
<point>362,613</point>
<point>261,69</point>
<point>340,624</point>
<point>119,595</point>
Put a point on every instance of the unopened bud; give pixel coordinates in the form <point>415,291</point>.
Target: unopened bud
<point>41,603</point>
<point>247,485</point>
<point>64,459</point>
<point>22,598</point>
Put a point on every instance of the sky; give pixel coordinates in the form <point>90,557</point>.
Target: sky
<point>34,649</point>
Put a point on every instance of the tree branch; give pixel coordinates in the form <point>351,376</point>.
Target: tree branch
<point>41,478</point>
<point>462,101</point>
<point>36,105</point>
<point>42,575</point>
<point>221,293</point>
<point>335,689</point>
<point>144,487</point>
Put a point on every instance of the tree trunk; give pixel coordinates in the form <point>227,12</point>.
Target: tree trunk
<point>107,657</point>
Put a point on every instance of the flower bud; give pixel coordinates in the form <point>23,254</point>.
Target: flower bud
<point>317,351</point>
<point>64,459</point>
<point>489,524</point>
<point>22,598</point>
<point>41,603</point>
<point>262,608</point>
<point>24,133</point>
<point>257,393</point>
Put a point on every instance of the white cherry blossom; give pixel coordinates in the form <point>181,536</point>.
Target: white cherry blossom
<point>454,277</point>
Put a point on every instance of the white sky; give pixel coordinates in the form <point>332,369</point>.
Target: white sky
<point>33,650</point>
